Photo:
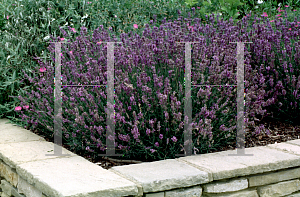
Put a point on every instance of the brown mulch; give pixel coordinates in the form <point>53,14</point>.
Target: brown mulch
<point>280,132</point>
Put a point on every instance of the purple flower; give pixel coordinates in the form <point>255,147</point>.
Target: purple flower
<point>284,92</point>
<point>88,149</point>
<point>148,131</point>
<point>110,137</point>
<point>132,98</point>
<point>73,134</point>
<point>125,138</point>
<point>166,115</point>
<point>161,136</point>
<point>156,144</point>
<point>174,139</point>
<point>152,150</point>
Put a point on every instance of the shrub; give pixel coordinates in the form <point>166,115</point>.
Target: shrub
<point>149,121</point>
<point>278,59</point>
<point>26,26</point>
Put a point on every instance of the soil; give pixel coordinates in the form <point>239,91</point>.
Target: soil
<point>279,132</point>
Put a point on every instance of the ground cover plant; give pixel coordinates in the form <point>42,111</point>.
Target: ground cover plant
<point>160,135</point>
<point>289,95</point>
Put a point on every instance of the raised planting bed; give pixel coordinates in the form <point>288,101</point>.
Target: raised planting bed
<point>273,170</point>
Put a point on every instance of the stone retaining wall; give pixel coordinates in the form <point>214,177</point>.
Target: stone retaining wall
<point>278,183</point>
<point>13,185</point>
<point>26,170</point>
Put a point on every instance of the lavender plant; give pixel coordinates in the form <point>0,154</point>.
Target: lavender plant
<point>28,24</point>
<point>279,61</point>
<point>149,108</point>
<point>25,27</point>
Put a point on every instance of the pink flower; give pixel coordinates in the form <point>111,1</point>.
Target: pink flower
<point>294,10</point>
<point>290,28</point>
<point>73,29</point>
<point>286,6</point>
<point>272,21</point>
<point>98,43</point>
<point>198,7</point>
<point>49,8</point>
<point>26,107</point>
<point>278,15</point>
<point>42,69</point>
<point>279,10</point>
<point>265,14</point>
<point>7,17</point>
<point>296,25</point>
<point>71,52</point>
<point>191,27</point>
<point>62,39</point>
<point>135,26</point>
<point>18,108</point>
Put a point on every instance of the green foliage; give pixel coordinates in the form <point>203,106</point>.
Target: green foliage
<point>228,8</point>
<point>2,23</point>
<point>190,3</point>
